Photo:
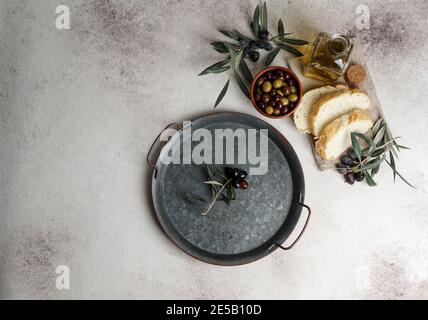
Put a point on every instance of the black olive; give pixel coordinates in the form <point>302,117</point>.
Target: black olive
<point>243,184</point>
<point>254,56</point>
<point>263,34</point>
<point>247,52</point>
<point>284,110</point>
<point>260,44</point>
<point>350,178</point>
<point>346,160</point>
<point>352,154</point>
<point>359,176</point>
<point>235,173</point>
<point>242,174</point>
<point>341,168</point>
<point>252,45</point>
<point>268,46</point>
<point>242,42</point>
<point>236,183</point>
<point>229,172</point>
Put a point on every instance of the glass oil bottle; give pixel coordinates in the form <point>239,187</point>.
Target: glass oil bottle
<point>329,58</point>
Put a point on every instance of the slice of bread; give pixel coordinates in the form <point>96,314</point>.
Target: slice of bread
<point>301,115</point>
<point>336,136</point>
<point>333,105</point>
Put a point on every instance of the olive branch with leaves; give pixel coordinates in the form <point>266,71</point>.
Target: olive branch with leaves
<point>381,147</point>
<point>246,47</point>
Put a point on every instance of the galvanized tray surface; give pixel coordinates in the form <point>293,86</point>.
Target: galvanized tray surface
<point>251,227</point>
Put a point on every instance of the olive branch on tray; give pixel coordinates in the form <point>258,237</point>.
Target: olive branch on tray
<point>222,186</point>
<point>247,48</point>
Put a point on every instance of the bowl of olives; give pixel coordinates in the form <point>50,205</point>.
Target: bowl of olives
<point>276,92</point>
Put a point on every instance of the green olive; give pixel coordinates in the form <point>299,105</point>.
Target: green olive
<point>293,89</point>
<point>265,98</point>
<point>286,90</point>
<point>284,101</point>
<point>293,97</point>
<point>269,110</point>
<point>278,83</point>
<point>277,112</point>
<point>267,86</point>
<point>279,92</point>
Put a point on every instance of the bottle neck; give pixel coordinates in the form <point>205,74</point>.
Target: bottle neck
<point>339,45</point>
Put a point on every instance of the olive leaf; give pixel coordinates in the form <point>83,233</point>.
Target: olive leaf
<point>377,125</point>
<point>192,198</point>
<point>372,164</point>
<point>213,182</point>
<point>215,171</point>
<point>229,192</point>
<point>220,47</point>
<point>271,56</point>
<point>246,71</point>
<point>355,146</point>
<point>232,55</point>
<point>365,138</point>
<point>375,170</point>
<point>256,20</point>
<point>399,146</point>
<point>242,86</point>
<point>241,36</point>
<point>369,179</point>
<point>231,34</point>
<point>238,60</point>
<point>378,137</point>
<point>398,174</point>
<point>210,172</point>
<point>290,49</point>
<point>217,67</point>
<point>280,29</point>
<point>297,42</point>
<point>263,16</point>
<point>280,35</point>
<point>392,161</point>
<point>222,94</point>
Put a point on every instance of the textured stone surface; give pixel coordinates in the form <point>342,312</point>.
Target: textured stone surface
<point>79,109</point>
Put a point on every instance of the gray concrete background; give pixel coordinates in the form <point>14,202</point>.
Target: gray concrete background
<point>79,109</point>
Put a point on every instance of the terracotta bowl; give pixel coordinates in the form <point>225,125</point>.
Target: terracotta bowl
<point>292,76</point>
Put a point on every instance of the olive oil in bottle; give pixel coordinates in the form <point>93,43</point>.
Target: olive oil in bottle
<point>329,58</point>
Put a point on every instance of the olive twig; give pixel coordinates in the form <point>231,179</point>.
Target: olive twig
<point>216,197</point>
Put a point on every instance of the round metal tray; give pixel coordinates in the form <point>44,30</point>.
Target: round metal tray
<point>251,227</point>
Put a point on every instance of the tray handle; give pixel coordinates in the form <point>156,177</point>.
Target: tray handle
<point>301,232</point>
<point>151,158</point>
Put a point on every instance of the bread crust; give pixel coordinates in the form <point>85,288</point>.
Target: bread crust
<point>301,115</point>
<point>323,100</point>
<point>335,126</point>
